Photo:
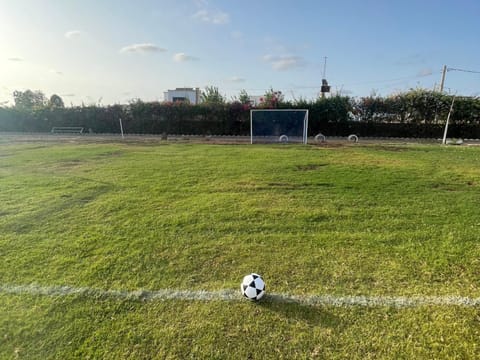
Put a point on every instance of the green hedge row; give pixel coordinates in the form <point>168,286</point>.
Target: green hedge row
<point>413,114</point>
<point>371,129</point>
<point>144,118</point>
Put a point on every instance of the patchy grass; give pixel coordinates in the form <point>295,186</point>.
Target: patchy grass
<point>357,220</point>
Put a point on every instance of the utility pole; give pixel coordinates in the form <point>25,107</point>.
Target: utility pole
<point>444,72</point>
<point>324,66</point>
<point>325,87</point>
<point>444,140</point>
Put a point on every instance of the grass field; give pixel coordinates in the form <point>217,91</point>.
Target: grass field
<point>375,220</point>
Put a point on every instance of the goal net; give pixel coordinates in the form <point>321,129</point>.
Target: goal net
<point>279,125</point>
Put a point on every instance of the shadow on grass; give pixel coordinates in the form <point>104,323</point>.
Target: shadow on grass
<point>312,315</point>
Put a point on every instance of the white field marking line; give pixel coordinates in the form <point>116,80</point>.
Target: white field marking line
<point>231,295</point>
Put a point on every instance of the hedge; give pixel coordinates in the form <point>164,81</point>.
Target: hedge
<point>413,114</point>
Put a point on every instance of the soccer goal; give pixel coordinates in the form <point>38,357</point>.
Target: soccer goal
<point>279,125</point>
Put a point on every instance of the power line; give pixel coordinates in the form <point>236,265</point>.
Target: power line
<point>390,80</point>
<point>445,70</point>
<point>315,87</point>
<point>463,70</point>
<point>351,84</point>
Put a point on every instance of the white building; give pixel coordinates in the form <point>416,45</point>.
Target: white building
<point>192,95</point>
<point>255,100</point>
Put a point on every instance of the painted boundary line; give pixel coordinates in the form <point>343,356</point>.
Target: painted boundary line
<point>231,295</point>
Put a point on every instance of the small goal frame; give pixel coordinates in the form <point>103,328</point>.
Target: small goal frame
<point>305,121</point>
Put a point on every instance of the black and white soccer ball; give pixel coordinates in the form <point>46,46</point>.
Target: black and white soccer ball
<point>253,287</point>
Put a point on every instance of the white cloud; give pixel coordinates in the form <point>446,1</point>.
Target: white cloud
<point>142,48</point>
<point>72,34</point>
<point>284,62</point>
<point>268,58</point>
<point>182,57</point>
<point>15,59</point>
<point>236,79</point>
<point>213,17</point>
<point>56,72</point>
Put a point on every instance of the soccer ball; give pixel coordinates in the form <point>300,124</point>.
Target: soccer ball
<point>253,287</point>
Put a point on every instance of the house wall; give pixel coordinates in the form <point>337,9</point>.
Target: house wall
<point>192,95</point>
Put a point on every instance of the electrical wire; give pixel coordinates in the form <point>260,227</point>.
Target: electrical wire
<point>381,81</point>
<point>463,70</point>
<point>352,84</point>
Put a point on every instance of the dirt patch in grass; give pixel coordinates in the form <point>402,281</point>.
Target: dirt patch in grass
<point>69,163</point>
<point>309,167</point>
<point>331,144</point>
<point>111,154</point>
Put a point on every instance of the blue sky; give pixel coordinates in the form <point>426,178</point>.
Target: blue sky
<point>113,51</point>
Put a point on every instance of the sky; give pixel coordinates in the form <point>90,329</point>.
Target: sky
<point>110,52</point>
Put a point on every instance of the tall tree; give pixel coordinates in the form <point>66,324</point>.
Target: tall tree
<point>243,97</point>
<point>29,100</point>
<point>56,101</point>
<point>211,95</point>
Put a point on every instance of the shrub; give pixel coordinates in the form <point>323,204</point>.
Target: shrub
<point>418,113</point>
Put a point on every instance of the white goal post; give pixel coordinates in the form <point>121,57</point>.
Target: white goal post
<point>278,125</point>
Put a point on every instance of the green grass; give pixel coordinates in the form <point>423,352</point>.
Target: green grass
<point>376,220</point>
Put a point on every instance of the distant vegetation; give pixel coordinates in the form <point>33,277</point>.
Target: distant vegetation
<point>416,113</point>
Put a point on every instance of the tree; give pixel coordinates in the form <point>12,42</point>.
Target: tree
<point>29,100</point>
<point>56,101</point>
<point>244,98</point>
<point>211,95</point>
<point>424,105</point>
